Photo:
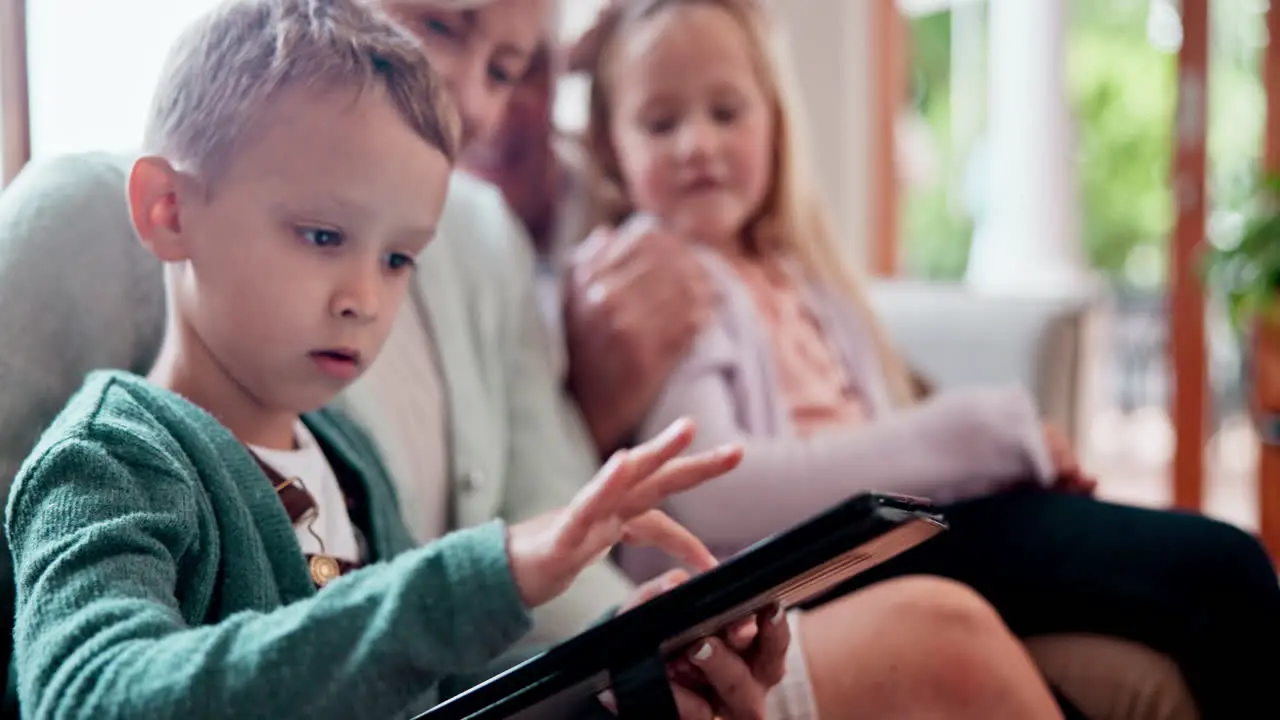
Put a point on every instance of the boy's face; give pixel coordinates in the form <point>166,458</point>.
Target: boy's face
<point>288,271</point>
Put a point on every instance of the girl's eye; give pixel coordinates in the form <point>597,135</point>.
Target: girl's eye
<point>661,126</point>
<point>725,115</point>
<point>501,76</point>
<point>400,261</point>
<point>320,237</point>
<point>439,27</point>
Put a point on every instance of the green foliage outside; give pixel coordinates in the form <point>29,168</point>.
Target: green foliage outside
<point>1123,95</point>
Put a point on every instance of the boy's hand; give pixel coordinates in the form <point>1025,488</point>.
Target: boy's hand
<point>548,552</point>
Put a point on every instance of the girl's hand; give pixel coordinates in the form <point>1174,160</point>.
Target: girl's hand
<point>548,552</point>
<point>1070,476</point>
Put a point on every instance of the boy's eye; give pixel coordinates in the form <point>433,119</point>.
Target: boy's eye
<point>320,237</point>
<point>400,261</point>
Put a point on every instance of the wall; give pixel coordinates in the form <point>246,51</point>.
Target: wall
<point>832,60</point>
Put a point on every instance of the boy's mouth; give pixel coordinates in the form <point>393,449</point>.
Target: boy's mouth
<point>340,363</point>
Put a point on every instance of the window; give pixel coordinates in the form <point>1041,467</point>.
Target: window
<point>93,67</point>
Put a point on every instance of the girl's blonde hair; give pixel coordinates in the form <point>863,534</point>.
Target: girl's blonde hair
<point>792,219</point>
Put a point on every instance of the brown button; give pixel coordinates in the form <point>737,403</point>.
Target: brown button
<point>324,569</point>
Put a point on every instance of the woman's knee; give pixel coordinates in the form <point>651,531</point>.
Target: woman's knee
<point>935,608</point>
<point>921,640</point>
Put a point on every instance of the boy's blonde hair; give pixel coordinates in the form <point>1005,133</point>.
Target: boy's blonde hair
<point>236,60</point>
<point>792,219</point>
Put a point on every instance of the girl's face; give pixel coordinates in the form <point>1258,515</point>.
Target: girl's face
<point>692,125</point>
<point>481,53</point>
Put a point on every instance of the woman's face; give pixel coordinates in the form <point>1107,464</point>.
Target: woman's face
<point>481,53</point>
<point>517,155</point>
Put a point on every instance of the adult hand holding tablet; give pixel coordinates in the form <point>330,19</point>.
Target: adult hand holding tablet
<point>628,653</point>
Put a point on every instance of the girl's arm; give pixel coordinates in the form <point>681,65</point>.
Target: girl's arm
<point>961,444</point>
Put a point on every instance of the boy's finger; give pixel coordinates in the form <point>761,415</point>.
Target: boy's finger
<point>655,587</point>
<point>613,484</point>
<point>656,529</point>
<point>652,454</point>
<point>678,476</point>
<point>600,499</point>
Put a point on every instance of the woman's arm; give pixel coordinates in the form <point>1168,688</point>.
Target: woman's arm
<point>98,542</point>
<point>961,444</point>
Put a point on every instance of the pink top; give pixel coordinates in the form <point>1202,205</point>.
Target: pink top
<point>764,360</point>
<point>814,384</point>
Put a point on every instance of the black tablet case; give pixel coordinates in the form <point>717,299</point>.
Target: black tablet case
<point>627,652</point>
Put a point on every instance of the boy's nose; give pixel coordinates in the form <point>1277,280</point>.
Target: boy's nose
<point>357,299</point>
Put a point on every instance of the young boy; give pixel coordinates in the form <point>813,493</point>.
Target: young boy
<point>170,534</point>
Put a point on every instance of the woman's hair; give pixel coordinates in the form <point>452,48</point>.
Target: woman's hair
<point>792,219</point>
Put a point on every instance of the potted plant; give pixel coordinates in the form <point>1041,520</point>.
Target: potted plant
<point>1246,274</point>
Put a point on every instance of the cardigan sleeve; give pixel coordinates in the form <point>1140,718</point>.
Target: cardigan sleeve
<point>100,538</point>
<point>960,444</point>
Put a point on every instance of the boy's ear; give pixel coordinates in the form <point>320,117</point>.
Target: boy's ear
<point>155,208</point>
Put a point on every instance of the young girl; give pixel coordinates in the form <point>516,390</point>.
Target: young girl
<point>688,117</point>
<point>690,128</point>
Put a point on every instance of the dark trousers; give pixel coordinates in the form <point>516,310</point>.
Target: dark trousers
<point>1200,591</point>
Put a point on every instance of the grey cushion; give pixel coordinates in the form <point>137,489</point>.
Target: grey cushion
<point>956,337</point>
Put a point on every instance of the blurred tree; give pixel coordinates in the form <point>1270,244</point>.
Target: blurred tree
<point>1123,93</point>
<point>936,228</point>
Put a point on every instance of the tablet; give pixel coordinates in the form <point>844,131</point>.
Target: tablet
<point>789,568</point>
